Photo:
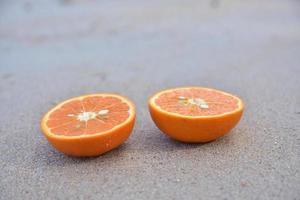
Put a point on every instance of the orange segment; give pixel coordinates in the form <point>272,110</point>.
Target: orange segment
<point>90,115</point>
<point>195,114</point>
<point>89,125</point>
<point>196,102</point>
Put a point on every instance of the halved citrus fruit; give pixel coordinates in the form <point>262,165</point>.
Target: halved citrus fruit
<point>195,114</point>
<point>89,125</point>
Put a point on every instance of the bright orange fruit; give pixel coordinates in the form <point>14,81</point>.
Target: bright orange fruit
<point>195,114</point>
<point>89,125</point>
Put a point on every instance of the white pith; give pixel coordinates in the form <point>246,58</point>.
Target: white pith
<point>86,116</point>
<point>194,101</point>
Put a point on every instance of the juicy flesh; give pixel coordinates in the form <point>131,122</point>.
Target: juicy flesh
<point>196,102</point>
<point>88,116</point>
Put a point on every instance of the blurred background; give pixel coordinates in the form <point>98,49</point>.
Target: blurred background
<point>56,49</point>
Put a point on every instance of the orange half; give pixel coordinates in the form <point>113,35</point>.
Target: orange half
<point>195,114</point>
<point>89,125</point>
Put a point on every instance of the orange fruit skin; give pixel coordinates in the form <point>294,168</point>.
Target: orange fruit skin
<point>193,129</point>
<point>92,145</point>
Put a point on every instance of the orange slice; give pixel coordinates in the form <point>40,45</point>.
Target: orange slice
<point>195,114</point>
<point>89,125</point>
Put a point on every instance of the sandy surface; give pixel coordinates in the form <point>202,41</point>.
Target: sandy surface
<point>54,50</point>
